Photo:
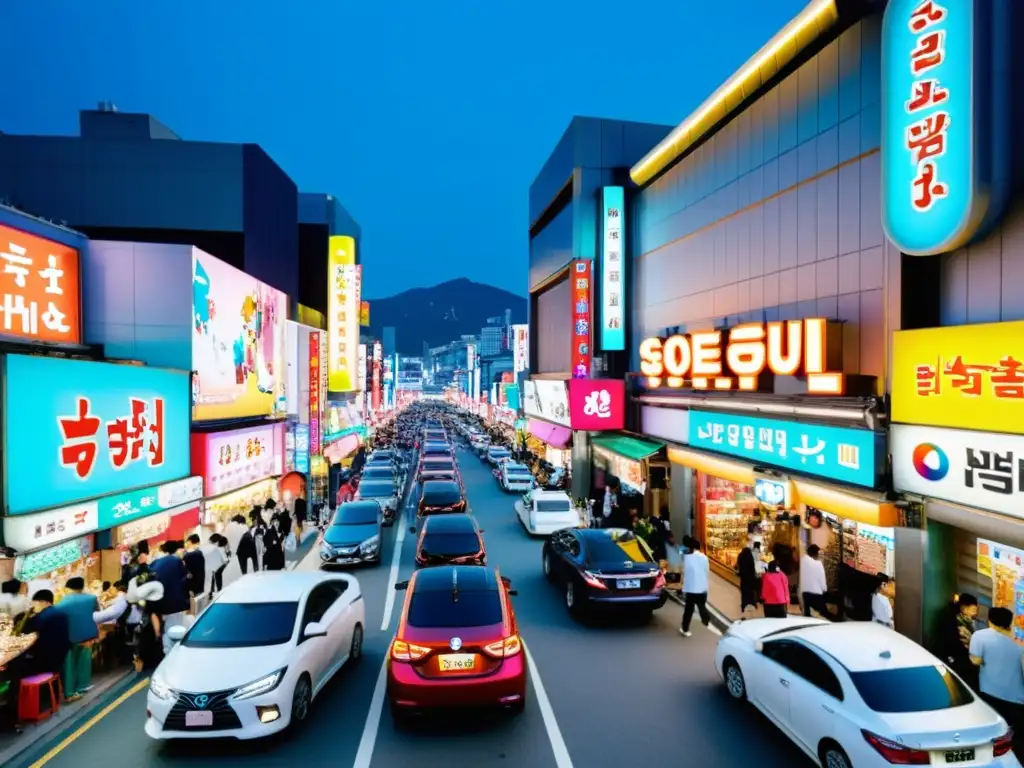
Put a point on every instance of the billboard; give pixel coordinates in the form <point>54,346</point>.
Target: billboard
<point>41,289</point>
<point>613,273</point>
<point>581,291</point>
<point>238,339</point>
<point>361,369</point>
<point>343,314</point>
<point>241,457</point>
<point>314,392</point>
<point>76,429</point>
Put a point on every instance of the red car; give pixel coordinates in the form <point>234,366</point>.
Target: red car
<point>449,540</point>
<point>441,497</point>
<point>457,643</point>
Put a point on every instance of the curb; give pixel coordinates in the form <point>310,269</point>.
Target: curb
<point>718,619</point>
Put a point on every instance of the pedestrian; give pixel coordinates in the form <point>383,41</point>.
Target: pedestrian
<point>79,607</point>
<point>813,584</point>
<point>14,598</point>
<point>955,633</point>
<point>999,658</point>
<point>610,506</point>
<point>881,608</point>
<point>258,528</point>
<point>170,571</point>
<point>216,562</point>
<point>234,532</point>
<point>273,547</point>
<point>775,592</point>
<point>747,569</point>
<point>695,584</point>
<point>195,567</point>
<point>243,543</point>
<point>45,656</point>
<point>300,515</point>
<point>145,593</point>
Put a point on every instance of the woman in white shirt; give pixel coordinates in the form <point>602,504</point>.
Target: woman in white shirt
<point>881,608</point>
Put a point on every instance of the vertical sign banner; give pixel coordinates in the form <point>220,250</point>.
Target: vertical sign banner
<point>361,369</point>
<point>940,157</point>
<point>314,393</point>
<point>470,356</point>
<point>520,347</point>
<point>613,271</point>
<point>377,372</point>
<point>581,291</point>
<point>364,314</point>
<point>324,377</point>
<point>343,314</point>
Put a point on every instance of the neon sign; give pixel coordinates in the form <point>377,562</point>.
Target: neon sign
<point>785,348</point>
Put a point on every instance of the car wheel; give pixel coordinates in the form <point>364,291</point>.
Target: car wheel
<point>301,700</point>
<point>833,756</point>
<point>734,682</point>
<point>548,572</point>
<point>571,602</point>
<point>355,652</point>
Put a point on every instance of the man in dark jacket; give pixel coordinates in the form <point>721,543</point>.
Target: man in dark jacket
<point>170,571</point>
<point>954,640</point>
<point>748,578</point>
<point>195,565</point>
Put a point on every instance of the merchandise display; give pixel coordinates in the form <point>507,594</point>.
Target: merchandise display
<point>220,510</point>
<point>865,548</point>
<point>729,510</point>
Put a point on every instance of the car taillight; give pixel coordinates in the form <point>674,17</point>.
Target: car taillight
<point>894,753</point>
<point>403,651</point>
<point>502,649</point>
<point>594,580</point>
<point>1003,744</point>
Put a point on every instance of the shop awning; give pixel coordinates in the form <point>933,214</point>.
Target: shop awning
<point>628,447</point>
<point>552,434</point>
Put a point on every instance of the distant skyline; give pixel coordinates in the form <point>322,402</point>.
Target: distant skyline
<point>427,121</point>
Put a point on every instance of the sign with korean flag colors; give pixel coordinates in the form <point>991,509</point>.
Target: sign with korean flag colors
<point>596,405</point>
<point>76,429</point>
<point>848,455</point>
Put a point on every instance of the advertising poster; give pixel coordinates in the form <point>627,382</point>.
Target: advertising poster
<point>364,314</point>
<point>520,347</point>
<point>362,369</point>
<point>238,335</point>
<point>323,384</point>
<point>613,277</point>
<point>377,375</point>
<point>343,314</point>
<point>581,291</point>
<point>77,429</point>
<point>314,393</point>
<point>41,289</point>
<point>1005,567</point>
<point>241,457</point>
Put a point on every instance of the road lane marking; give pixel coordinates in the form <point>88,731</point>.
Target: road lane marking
<point>369,738</point>
<point>92,721</point>
<point>396,557</point>
<point>562,759</point>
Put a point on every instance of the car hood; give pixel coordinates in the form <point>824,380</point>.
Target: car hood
<point>349,535</point>
<point>206,670</point>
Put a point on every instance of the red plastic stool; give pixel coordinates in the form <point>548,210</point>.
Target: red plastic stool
<point>30,698</point>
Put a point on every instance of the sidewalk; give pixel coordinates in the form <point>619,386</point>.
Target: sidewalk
<point>724,603</point>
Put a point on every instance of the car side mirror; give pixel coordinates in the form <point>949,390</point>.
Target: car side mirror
<point>412,529</point>
<point>401,586</point>
<point>176,634</point>
<point>758,647</point>
<point>314,629</point>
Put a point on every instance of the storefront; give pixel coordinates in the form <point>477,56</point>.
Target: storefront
<point>548,430</point>
<point>240,469</point>
<point>100,478</point>
<point>631,460</point>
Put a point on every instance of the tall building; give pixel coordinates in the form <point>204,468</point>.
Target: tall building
<point>494,335</point>
<point>320,217</point>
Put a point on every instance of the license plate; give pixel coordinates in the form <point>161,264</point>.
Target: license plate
<point>628,584</point>
<point>959,755</point>
<point>457,662</point>
<point>198,718</point>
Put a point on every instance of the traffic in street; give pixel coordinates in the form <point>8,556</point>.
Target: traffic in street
<point>601,692</point>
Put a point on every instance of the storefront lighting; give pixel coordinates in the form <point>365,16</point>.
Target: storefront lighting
<point>800,33</point>
<point>746,406</point>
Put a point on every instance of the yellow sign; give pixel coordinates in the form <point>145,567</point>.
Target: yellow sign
<point>364,314</point>
<point>342,314</point>
<point>967,377</point>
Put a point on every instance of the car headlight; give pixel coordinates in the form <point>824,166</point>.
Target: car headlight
<point>161,690</point>
<point>261,686</point>
<point>327,548</point>
<point>370,544</point>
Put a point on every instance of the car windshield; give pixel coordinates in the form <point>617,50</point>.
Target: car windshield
<point>605,548</point>
<point>499,452</point>
<point>440,609</point>
<point>552,505</point>
<point>242,625</point>
<point>911,689</point>
<point>376,490</point>
<point>356,514</point>
<point>453,544</point>
<point>442,494</point>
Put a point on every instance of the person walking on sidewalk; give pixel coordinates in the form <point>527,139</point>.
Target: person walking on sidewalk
<point>748,579</point>
<point>695,585</point>
<point>79,607</point>
<point>234,532</point>
<point>195,567</point>
<point>775,592</point>
<point>1001,675</point>
<point>216,562</point>
<point>813,584</point>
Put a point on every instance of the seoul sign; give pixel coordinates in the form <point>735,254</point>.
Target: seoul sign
<point>709,360</point>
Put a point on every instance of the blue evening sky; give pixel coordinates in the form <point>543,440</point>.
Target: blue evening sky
<point>427,120</point>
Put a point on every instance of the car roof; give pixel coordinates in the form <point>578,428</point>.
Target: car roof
<point>449,524</point>
<point>471,578</point>
<point>356,503</point>
<point>859,645</point>
<point>441,485</point>
<point>498,448</point>
<point>275,586</point>
<point>371,483</point>
<point>511,465</point>
<point>550,495</point>
<point>380,469</point>
<point>434,444</point>
<point>447,459</point>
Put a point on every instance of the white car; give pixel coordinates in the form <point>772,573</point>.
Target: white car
<point>497,454</point>
<point>544,512</point>
<point>859,694</point>
<point>256,658</point>
<point>516,477</point>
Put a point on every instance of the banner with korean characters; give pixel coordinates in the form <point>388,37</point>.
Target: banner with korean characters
<point>581,291</point>
<point>977,469</point>
<point>968,377</point>
<point>77,429</point>
<point>844,454</point>
<point>314,392</point>
<point>613,271</point>
<point>28,533</point>
<point>241,457</point>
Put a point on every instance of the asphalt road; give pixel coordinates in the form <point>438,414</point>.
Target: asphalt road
<point>610,694</point>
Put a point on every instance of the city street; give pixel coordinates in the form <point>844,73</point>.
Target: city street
<point>600,695</point>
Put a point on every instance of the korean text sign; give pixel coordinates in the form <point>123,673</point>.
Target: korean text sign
<point>597,404</point>
<point>613,271</point>
<point>837,453</point>
<point>934,178</point>
<point>314,392</point>
<point>581,290</point>
<point>40,296</point>
<point>78,429</point>
<point>238,335</point>
<point>978,469</point>
<point>342,315</point>
<point>241,457</point>
<point>969,377</point>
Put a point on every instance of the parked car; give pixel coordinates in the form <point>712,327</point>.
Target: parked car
<point>857,693</point>
<point>457,643</point>
<point>435,448</point>
<point>256,658</point>
<point>354,534</point>
<point>603,568</point>
<point>516,477</point>
<point>497,454</point>
<point>544,512</point>
<point>441,497</point>
<point>449,540</point>
<point>384,493</point>
<point>433,464</point>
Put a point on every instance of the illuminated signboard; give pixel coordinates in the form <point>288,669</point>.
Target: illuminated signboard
<point>364,313</point>
<point>343,315</point>
<point>40,297</point>
<point>940,157</point>
<point>361,369</point>
<point>969,377</point>
<point>520,347</point>
<point>788,348</point>
<point>470,356</point>
<point>613,272</point>
<point>314,392</point>
<point>581,290</point>
<point>376,375</point>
